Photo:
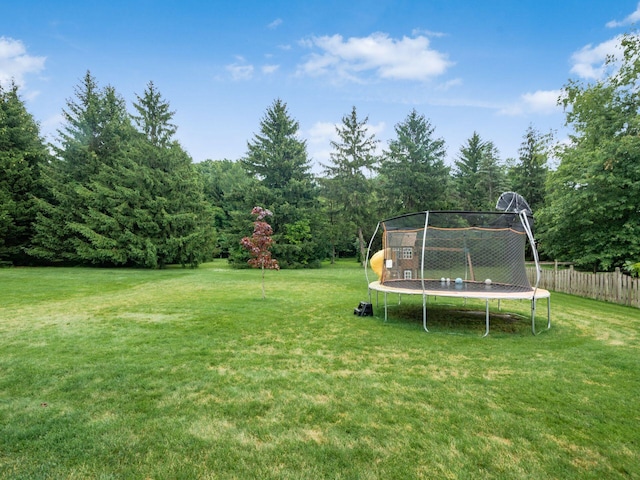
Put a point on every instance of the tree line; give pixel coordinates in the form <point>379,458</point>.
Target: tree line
<point>117,189</point>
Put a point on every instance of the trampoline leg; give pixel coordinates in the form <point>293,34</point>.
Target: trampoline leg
<point>533,316</point>
<point>424,313</point>
<point>385,306</point>
<point>487,318</point>
<point>548,313</point>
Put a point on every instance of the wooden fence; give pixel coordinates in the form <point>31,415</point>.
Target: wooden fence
<point>612,287</point>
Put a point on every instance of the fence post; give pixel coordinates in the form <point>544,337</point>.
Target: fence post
<point>571,280</point>
<point>555,275</point>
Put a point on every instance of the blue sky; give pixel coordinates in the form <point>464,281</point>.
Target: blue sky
<point>493,66</point>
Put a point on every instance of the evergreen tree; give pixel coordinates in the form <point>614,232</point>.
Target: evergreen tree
<point>479,177</point>
<point>467,170</point>
<point>95,135</point>
<point>528,176</point>
<point>181,226</point>
<point>414,170</point>
<point>338,230</point>
<point>492,178</point>
<point>118,197</point>
<point>225,183</point>
<point>278,160</point>
<point>22,153</point>
<point>154,117</point>
<point>352,159</point>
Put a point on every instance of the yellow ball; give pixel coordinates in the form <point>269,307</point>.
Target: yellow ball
<point>377,262</point>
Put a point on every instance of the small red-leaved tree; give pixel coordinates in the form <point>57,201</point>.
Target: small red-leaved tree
<point>259,244</point>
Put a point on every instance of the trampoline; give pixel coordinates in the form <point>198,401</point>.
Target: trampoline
<point>467,255</point>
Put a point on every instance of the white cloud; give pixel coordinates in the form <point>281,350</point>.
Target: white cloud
<point>589,61</point>
<point>269,69</point>
<point>403,59</point>
<point>629,20</point>
<point>15,63</point>
<point>50,126</point>
<point>319,138</point>
<point>322,132</point>
<point>443,87</point>
<point>240,70</point>
<point>513,110</point>
<point>376,129</point>
<point>275,24</point>
<point>542,102</point>
<point>428,33</point>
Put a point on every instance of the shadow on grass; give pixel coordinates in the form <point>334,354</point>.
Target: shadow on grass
<point>458,319</point>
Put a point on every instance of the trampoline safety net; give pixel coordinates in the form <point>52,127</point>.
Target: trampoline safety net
<point>465,250</point>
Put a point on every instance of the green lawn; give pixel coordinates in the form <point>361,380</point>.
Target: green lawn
<point>190,374</point>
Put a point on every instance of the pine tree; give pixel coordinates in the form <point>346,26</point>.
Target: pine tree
<point>121,197</point>
<point>479,176</point>
<point>22,154</point>
<point>154,117</point>
<point>70,226</point>
<point>225,183</point>
<point>529,174</point>
<point>180,222</point>
<point>278,160</point>
<point>492,178</point>
<point>98,238</point>
<point>414,170</point>
<point>352,159</point>
<point>466,173</point>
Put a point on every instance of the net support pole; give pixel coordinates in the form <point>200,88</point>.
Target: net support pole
<point>527,227</point>
<point>366,263</point>
<point>424,291</point>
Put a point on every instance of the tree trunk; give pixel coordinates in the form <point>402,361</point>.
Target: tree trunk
<point>363,250</point>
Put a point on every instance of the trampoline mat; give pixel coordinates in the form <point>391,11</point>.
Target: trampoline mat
<point>471,287</point>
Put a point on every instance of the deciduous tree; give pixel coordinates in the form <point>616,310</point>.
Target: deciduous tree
<point>259,244</point>
<point>592,215</point>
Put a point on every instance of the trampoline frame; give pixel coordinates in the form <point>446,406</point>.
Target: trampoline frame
<point>532,296</point>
